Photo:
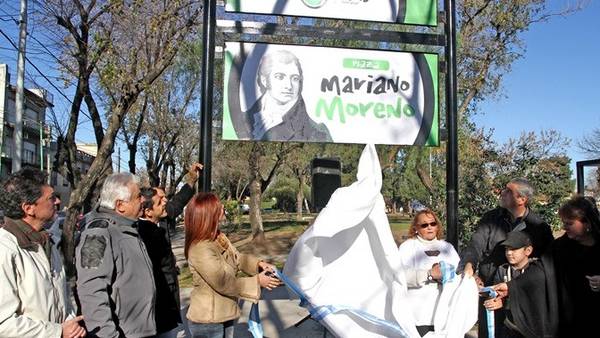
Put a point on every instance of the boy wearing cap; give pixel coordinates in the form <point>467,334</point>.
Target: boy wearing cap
<point>518,248</point>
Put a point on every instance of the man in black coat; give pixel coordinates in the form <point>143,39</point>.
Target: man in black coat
<point>485,253</point>
<point>156,207</point>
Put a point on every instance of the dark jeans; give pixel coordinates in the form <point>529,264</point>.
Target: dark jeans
<point>211,330</point>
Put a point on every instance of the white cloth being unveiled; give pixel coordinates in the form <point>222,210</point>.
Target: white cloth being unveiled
<point>348,259</point>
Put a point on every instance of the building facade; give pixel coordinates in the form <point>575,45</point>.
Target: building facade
<point>36,135</point>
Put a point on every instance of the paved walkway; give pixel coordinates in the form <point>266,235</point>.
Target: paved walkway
<point>278,313</point>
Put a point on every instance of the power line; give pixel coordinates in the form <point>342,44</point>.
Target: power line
<point>48,80</point>
<point>35,67</point>
<point>44,76</point>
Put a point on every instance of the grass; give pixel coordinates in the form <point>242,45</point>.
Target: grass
<point>399,226</point>
<point>282,231</point>
<point>185,277</point>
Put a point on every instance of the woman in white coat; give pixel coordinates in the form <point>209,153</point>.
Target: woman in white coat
<point>420,257</point>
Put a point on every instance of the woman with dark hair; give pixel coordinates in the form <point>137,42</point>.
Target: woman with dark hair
<point>420,258</point>
<point>564,287</point>
<point>214,263</point>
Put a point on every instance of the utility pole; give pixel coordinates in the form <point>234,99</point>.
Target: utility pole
<point>41,146</point>
<point>4,83</point>
<point>19,97</point>
<point>48,162</point>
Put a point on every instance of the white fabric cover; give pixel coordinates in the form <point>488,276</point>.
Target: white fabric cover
<point>457,309</point>
<point>348,257</point>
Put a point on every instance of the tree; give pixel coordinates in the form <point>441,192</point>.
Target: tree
<point>477,190</point>
<point>127,46</point>
<point>231,173</point>
<point>590,143</point>
<point>171,124</point>
<point>541,158</point>
<point>298,166</point>
<point>263,158</point>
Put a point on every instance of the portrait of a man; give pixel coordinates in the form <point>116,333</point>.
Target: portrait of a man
<point>279,114</point>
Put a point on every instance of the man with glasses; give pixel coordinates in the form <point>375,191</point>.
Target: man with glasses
<point>484,253</point>
<point>34,299</point>
<point>115,283</point>
<point>155,208</point>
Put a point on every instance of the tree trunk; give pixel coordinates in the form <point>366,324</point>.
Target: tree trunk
<point>256,224</point>
<point>77,201</point>
<point>300,197</point>
<point>132,154</point>
<point>255,215</point>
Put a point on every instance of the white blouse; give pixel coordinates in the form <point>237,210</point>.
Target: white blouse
<point>417,256</point>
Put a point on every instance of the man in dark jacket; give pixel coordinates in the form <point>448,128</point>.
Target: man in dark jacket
<point>115,283</point>
<point>484,252</point>
<point>155,207</point>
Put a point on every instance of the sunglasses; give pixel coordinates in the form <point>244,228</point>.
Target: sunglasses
<point>425,225</point>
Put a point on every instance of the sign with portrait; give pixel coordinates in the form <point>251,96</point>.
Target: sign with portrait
<point>415,12</point>
<point>276,92</point>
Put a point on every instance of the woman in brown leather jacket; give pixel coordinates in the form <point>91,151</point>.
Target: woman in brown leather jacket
<point>214,263</point>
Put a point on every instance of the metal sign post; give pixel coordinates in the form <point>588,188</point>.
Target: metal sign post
<point>451,125</point>
<point>208,58</point>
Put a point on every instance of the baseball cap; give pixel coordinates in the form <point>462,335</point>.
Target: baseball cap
<point>517,240</point>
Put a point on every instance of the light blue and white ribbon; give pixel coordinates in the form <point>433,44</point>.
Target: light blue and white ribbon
<point>448,272</point>
<point>320,312</point>
<point>490,313</point>
<point>254,325</point>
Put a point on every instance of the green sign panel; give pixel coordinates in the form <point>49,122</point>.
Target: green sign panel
<point>322,94</point>
<point>414,12</point>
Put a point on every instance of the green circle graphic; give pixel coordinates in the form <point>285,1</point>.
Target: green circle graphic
<point>314,3</point>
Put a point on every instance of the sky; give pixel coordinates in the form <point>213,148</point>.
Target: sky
<point>9,11</point>
<point>556,85</point>
<point>553,86</point>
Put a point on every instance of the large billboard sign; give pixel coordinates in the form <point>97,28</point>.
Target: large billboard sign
<point>417,12</point>
<point>276,92</point>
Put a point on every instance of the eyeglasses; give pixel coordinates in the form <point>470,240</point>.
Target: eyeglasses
<point>425,225</point>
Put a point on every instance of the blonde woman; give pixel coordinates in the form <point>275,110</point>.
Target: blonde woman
<point>420,257</point>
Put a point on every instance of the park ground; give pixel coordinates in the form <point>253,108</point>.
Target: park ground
<point>281,232</point>
<point>279,313</point>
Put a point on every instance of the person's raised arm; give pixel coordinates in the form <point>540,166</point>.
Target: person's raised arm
<point>176,204</point>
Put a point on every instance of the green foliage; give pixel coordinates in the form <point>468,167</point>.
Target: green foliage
<point>485,168</point>
<point>401,183</point>
<point>232,210</point>
<point>284,191</point>
<point>554,185</point>
<point>476,188</point>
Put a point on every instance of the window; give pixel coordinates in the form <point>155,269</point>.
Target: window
<point>29,152</point>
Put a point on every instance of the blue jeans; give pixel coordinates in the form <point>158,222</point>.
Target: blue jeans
<point>211,330</point>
